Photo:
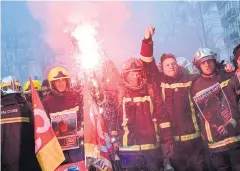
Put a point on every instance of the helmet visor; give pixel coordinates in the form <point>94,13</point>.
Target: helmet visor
<point>135,65</point>
<point>8,88</point>
<point>205,59</point>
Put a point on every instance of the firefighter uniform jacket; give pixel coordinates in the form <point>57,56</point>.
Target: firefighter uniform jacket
<point>17,135</point>
<point>176,94</point>
<point>60,104</point>
<point>233,94</point>
<point>138,120</point>
<point>217,142</point>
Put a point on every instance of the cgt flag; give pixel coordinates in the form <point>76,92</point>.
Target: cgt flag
<point>47,148</point>
<point>98,147</point>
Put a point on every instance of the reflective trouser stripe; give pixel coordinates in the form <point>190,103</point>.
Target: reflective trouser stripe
<point>14,120</point>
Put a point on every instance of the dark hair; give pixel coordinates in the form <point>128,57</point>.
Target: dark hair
<point>166,56</point>
<point>235,50</point>
<point>45,83</point>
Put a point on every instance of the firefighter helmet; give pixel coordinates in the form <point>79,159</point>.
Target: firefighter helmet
<point>133,64</point>
<point>58,73</point>
<point>202,55</point>
<point>10,85</point>
<point>27,87</point>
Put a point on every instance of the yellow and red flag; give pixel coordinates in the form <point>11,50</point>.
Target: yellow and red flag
<point>47,148</point>
<point>97,143</point>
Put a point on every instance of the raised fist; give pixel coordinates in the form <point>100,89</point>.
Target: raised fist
<point>149,32</point>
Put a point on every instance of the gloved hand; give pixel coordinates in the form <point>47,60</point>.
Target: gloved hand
<point>149,32</point>
<point>169,148</point>
<point>233,122</point>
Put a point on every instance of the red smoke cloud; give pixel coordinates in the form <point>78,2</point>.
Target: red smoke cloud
<point>58,17</point>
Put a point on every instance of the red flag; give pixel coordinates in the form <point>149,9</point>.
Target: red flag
<point>47,147</point>
<point>97,142</point>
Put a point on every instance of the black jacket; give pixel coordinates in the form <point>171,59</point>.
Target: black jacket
<point>17,135</point>
<point>217,142</point>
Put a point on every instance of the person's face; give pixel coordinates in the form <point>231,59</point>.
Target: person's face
<point>134,78</point>
<point>170,67</point>
<point>208,66</point>
<point>45,91</point>
<point>61,85</point>
<point>63,127</point>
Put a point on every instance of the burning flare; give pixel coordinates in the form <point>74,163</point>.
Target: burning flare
<point>89,56</point>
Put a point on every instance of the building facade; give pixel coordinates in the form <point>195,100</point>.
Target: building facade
<point>230,20</point>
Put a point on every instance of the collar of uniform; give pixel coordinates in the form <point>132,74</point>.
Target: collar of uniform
<point>171,80</point>
<point>205,77</point>
<point>11,99</point>
<point>136,93</point>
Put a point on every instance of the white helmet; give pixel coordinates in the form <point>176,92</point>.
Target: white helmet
<point>10,85</point>
<point>184,62</point>
<point>203,54</point>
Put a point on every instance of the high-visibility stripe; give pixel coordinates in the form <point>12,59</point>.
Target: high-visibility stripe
<point>163,94</point>
<point>182,85</point>
<point>187,137</point>
<point>165,125</point>
<point>147,59</point>
<point>156,130</point>
<point>125,100</point>
<point>125,120</point>
<point>224,83</point>
<point>124,124</point>
<point>208,131</point>
<point>142,99</point>
<point>14,120</point>
<point>176,85</point>
<point>139,147</point>
<point>194,119</point>
<point>224,142</point>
